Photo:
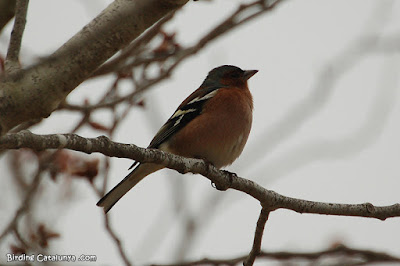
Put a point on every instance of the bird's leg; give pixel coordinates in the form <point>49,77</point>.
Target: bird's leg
<point>208,165</point>
<point>225,185</point>
<point>230,175</point>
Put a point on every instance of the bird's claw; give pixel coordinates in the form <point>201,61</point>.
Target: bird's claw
<point>224,186</point>
<point>230,176</point>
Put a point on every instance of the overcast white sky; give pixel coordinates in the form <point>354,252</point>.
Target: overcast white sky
<point>337,143</point>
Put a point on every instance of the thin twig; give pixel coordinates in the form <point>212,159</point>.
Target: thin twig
<point>27,201</point>
<point>112,64</point>
<point>243,14</point>
<point>116,240</point>
<point>256,249</point>
<point>12,59</point>
<point>20,238</point>
<point>26,204</point>
<point>362,256</point>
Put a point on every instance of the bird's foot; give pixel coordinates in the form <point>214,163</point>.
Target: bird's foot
<point>230,175</point>
<point>225,185</point>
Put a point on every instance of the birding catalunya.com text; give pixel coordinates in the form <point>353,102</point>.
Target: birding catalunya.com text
<point>49,258</point>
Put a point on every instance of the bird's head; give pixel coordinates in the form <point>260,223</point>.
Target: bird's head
<point>227,75</point>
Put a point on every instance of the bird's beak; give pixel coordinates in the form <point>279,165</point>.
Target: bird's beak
<point>249,73</point>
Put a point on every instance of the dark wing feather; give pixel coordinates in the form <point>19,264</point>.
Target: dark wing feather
<point>189,109</point>
<point>186,112</point>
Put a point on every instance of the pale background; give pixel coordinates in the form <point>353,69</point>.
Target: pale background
<point>336,143</point>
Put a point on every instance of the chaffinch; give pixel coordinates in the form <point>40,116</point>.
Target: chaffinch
<point>213,124</point>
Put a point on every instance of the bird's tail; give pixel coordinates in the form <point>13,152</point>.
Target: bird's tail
<point>140,172</point>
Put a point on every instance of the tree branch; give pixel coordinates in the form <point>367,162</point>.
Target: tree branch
<point>255,251</point>
<point>366,256</point>
<point>37,91</point>
<point>117,240</point>
<point>12,59</point>
<point>222,179</point>
<point>125,60</point>
<point>131,49</point>
<point>26,204</point>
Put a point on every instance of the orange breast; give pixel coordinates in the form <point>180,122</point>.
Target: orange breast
<point>222,129</point>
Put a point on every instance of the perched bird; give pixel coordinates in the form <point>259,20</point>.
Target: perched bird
<point>213,124</point>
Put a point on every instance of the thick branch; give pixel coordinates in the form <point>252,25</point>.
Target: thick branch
<point>38,90</point>
<point>268,198</point>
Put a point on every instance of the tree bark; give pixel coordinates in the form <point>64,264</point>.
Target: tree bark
<point>37,91</point>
